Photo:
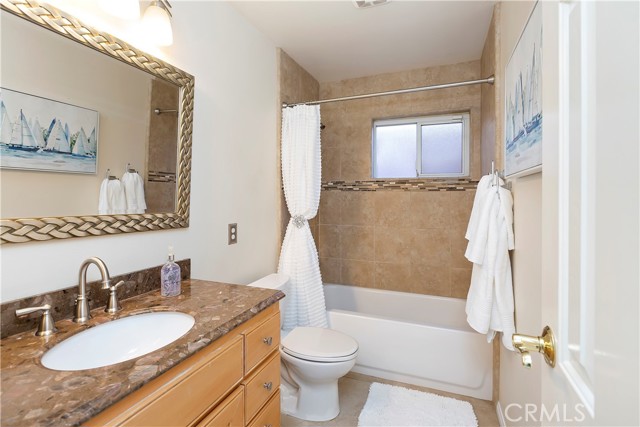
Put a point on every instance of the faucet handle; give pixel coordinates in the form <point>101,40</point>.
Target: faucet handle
<point>112,304</point>
<point>46,326</point>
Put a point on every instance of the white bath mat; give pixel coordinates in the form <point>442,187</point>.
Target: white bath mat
<point>392,406</point>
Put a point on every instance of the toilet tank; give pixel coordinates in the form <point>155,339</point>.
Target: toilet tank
<point>274,281</point>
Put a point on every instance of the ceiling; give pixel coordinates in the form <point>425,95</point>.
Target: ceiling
<point>333,40</point>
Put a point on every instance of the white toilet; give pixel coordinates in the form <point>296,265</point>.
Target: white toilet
<point>313,360</point>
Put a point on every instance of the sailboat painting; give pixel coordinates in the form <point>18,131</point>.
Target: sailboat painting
<point>523,100</point>
<point>45,135</point>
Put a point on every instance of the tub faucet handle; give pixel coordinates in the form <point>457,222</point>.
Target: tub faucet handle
<point>46,326</point>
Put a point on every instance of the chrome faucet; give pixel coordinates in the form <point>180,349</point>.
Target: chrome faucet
<point>82,306</point>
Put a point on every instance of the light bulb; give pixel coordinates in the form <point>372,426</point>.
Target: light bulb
<point>125,9</point>
<point>157,24</point>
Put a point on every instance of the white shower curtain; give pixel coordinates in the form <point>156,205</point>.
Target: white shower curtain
<point>304,304</point>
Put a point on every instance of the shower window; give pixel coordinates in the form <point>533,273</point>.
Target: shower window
<point>421,147</point>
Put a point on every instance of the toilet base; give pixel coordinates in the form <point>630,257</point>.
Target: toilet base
<point>309,389</point>
<point>318,404</point>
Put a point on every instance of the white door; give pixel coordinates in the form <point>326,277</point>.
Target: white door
<point>590,212</point>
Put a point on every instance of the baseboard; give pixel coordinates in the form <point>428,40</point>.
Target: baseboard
<point>501,420</point>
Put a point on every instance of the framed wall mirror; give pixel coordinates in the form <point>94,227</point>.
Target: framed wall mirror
<point>54,162</point>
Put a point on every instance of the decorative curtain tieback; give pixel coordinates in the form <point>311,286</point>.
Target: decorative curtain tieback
<point>299,221</point>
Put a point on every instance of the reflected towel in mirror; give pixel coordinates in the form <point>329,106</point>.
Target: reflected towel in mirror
<point>134,193</point>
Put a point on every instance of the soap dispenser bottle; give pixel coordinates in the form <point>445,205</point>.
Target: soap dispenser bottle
<point>170,277</point>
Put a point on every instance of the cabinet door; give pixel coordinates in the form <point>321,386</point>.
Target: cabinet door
<point>193,396</point>
<point>229,413</point>
<point>260,386</point>
<point>270,414</point>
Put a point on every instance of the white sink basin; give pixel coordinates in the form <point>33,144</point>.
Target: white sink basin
<point>118,341</point>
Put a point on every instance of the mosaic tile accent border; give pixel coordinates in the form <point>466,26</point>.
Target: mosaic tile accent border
<point>62,301</point>
<point>158,176</point>
<point>402,184</point>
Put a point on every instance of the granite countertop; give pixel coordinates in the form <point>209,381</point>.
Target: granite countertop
<point>34,395</point>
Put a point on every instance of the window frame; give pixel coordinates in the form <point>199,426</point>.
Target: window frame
<point>436,119</point>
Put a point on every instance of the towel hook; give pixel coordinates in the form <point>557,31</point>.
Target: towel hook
<point>108,175</point>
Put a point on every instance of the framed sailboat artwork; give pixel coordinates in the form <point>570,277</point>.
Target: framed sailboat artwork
<point>523,101</point>
<point>41,134</point>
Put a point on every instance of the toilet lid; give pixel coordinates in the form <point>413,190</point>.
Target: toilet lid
<point>319,344</point>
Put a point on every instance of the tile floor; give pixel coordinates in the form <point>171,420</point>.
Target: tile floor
<point>354,389</point>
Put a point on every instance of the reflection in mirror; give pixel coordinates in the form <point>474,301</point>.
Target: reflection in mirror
<point>129,131</point>
<point>162,155</point>
<point>143,109</point>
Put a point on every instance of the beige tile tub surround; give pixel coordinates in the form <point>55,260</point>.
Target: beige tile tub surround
<point>410,241</point>
<point>346,140</point>
<point>408,238</point>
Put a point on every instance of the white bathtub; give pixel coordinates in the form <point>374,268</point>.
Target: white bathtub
<point>416,339</point>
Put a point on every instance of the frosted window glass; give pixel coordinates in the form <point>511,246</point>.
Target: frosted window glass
<point>442,148</point>
<point>395,151</point>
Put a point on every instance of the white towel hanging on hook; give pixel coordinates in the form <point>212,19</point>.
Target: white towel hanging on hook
<point>490,305</point>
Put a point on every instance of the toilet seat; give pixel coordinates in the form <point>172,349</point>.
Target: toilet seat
<point>319,345</point>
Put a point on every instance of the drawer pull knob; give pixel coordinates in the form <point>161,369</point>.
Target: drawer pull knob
<point>268,385</point>
<point>267,425</point>
<point>267,340</point>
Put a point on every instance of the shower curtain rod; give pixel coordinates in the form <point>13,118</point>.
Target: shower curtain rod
<point>488,80</point>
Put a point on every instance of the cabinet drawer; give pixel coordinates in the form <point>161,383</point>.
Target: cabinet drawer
<point>270,414</point>
<point>263,384</point>
<point>229,413</point>
<point>261,341</point>
<point>195,394</point>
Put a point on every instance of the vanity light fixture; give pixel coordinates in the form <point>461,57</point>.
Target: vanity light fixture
<point>157,22</point>
<point>125,9</point>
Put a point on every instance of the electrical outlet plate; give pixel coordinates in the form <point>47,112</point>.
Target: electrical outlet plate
<point>233,234</point>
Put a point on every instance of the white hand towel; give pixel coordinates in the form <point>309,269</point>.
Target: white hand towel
<point>140,201</point>
<point>117,199</point>
<point>134,193</point>
<point>103,198</point>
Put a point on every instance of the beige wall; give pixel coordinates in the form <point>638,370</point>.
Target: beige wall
<point>295,85</point>
<point>119,93</point>
<point>527,256</point>
<point>399,240</point>
<point>234,167</point>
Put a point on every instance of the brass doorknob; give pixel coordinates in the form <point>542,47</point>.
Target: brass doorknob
<point>545,344</point>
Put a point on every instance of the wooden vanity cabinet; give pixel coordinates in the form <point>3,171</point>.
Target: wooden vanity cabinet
<point>234,381</point>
